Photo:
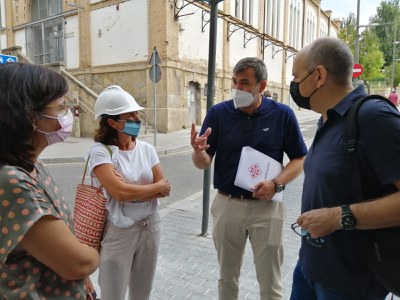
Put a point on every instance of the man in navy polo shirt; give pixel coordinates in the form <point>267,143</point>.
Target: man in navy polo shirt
<point>332,262</point>
<point>249,119</point>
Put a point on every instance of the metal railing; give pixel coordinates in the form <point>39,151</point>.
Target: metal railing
<point>95,79</point>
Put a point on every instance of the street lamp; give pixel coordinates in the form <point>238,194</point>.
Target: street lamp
<point>210,101</point>
<point>393,56</point>
<point>394,60</point>
<point>357,41</point>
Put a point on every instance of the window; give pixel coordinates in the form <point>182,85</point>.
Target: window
<point>45,41</point>
<point>244,10</point>
<point>42,9</point>
<point>237,8</point>
<point>295,24</point>
<point>272,18</point>
<point>311,31</point>
<point>323,29</point>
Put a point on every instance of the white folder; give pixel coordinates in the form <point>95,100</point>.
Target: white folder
<point>255,166</point>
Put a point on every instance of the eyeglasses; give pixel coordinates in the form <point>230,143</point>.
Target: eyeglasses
<point>318,242</point>
<point>61,109</point>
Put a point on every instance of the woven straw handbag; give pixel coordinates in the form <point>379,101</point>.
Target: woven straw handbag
<point>89,211</point>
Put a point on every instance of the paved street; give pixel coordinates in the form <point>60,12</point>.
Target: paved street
<point>187,266</point>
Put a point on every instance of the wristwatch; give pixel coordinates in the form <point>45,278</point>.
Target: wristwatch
<point>347,221</point>
<point>279,187</point>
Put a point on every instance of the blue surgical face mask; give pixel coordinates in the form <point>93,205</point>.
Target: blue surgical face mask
<point>131,127</point>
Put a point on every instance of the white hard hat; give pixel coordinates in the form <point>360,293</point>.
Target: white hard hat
<point>113,100</point>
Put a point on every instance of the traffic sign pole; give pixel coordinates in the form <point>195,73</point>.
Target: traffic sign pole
<point>210,101</point>
<point>155,76</point>
<point>155,97</point>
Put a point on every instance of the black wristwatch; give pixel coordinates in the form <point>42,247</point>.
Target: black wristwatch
<point>279,187</point>
<point>347,221</point>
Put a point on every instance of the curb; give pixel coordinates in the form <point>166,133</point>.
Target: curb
<point>80,159</point>
<point>179,149</point>
<point>62,160</point>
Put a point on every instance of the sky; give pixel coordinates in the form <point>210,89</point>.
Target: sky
<point>341,8</point>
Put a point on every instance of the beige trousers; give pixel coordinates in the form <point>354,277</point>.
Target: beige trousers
<point>128,257</point>
<point>262,221</point>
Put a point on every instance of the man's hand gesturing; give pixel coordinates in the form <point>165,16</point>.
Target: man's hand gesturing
<point>199,143</point>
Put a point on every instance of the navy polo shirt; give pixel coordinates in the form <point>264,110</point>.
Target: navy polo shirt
<point>273,129</point>
<point>333,178</point>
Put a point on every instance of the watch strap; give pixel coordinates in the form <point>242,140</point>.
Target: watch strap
<point>279,187</point>
<point>347,220</point>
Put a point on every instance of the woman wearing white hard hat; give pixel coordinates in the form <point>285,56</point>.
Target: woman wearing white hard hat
<point>132,180</point>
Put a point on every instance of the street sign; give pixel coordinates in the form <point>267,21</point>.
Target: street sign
<point>155,70</point>
<point>155,73</point>
<point>155,57</point>
<point>7,58</point>
<point>357,70</point>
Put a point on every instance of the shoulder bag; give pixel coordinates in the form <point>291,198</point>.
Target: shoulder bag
<point>89,211</point>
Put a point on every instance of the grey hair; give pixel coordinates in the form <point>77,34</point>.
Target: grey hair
<point>252,62</point>
<point>335,55</point>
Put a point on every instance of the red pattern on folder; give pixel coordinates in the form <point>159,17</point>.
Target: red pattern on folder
<point>255,170</point>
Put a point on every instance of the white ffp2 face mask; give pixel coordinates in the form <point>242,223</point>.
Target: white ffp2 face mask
<point>242,98</point>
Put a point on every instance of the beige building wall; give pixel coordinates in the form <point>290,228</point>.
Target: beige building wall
<point>178,29</point>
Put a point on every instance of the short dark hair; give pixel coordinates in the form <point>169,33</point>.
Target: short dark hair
<point>260,69</point>
<point>25,89</point>
<point>267,93</point>
<point>335,55</point>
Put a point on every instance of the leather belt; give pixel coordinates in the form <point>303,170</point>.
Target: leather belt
<point>143,222</point>
<point>240,197</point>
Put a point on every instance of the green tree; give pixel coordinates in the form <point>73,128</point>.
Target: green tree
<point>388,74</point>
<point>347,31</point>
<point>387,14</point>
<point>370,55</point>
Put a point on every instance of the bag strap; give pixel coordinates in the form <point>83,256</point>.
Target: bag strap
<point>86,165</point>
<point>351,127</point>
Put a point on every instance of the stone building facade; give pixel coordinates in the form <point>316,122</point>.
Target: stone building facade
<point>96,43</point>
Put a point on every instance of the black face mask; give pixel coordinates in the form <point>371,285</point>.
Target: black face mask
<point>301,101</point>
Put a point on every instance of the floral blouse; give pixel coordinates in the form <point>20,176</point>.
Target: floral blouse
<point>24,199</point>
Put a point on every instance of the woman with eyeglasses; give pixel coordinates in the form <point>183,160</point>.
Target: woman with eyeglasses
<point>40,258</point>
<point>132,180</point>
